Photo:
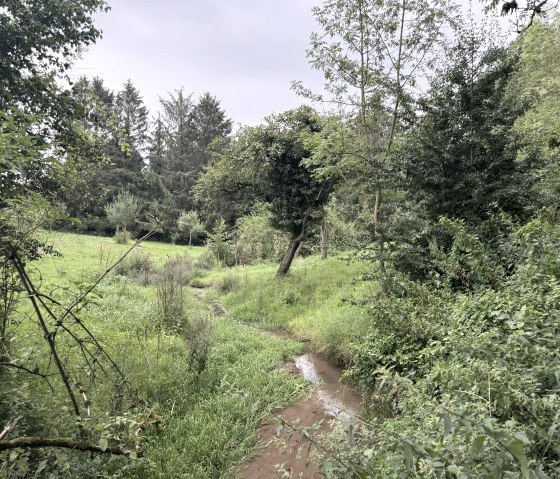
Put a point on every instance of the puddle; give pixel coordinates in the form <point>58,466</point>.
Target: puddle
<point>336,398</point>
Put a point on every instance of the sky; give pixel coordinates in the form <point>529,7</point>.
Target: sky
<point>244,52</point>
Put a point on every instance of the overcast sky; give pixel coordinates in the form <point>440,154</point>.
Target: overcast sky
<point>244,52</point>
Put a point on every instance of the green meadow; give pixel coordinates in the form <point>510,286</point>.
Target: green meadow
<point>207,417</point>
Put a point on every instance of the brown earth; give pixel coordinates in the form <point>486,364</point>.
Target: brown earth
<point>289,449</point>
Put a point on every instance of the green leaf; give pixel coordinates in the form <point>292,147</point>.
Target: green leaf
<point>103,444</point>
<point>478,443</point>
<point>516,450</point>
<point>448,424</point>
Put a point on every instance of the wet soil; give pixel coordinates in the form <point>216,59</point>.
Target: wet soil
<point>329,401</point>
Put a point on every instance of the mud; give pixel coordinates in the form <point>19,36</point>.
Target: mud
<point>330,401</point>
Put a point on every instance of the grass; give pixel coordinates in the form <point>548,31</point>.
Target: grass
<point>210,419</point>
<point>312,301</point>
<point>85,255</point>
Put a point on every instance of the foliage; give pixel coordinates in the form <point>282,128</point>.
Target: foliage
<point>535,84</point>
<point>256,240</point>
<point>123,211</point>
<point>461,174</point>
<point>189,225</point>
<point>181,147</point>
<point>39,42</point>
<point>219,245</point>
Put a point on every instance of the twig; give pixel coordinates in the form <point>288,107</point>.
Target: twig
<point>9,427</point>
<point>65,443</point>
<point>30,371</point>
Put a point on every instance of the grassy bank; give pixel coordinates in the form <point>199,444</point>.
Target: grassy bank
<point>313,301</point>
<point>207,417</point>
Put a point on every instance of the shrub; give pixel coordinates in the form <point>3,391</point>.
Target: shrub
<point>178,267</point>
<point>138,266</point>
<point>219,245</point>
<point>169,300</point>
<point>122,212</point>
<point>122,237</point>
<point>257,240</point>
<point>229,282</point>
<point>198,339</point>
<point>206,261</point>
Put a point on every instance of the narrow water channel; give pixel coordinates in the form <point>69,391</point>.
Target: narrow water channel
<point>336,398</point>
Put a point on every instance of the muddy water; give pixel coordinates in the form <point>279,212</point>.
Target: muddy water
<point>336,398</point>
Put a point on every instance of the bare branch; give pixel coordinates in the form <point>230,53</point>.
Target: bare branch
<point>65,443</point>
<point>9,427</point>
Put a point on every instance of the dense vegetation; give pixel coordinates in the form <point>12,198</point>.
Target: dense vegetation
<point>424,226</point>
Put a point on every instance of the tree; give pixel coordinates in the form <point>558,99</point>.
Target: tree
<point>459,160</point>
<point>535,85</point>
<point>180,148</point>
<point>189,224</point>
<point>40,38</point>
<point>123,211</point>
<point>371,54</point>
<point>523,13</point>
<point>207,122</point>
<point>272,164</point>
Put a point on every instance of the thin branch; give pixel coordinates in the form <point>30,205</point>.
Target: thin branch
<point>9,427</point>
<point>30,371</point>
<point>65,443</point>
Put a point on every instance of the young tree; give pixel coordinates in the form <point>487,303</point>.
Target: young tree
<point>371,54</point>
<point>272,163</point>
<point>189,224</point>
<point>123,211</point>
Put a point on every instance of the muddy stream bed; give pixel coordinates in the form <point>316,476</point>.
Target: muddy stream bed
<point>329,400</point>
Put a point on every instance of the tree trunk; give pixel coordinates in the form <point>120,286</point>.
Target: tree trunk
<point>292,249</point>
<point>190,238</point>
<point>324,239</point>
<point>289,256</point>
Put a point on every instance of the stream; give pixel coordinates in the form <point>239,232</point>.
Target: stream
<point>335,397</point>
<point>330,399</point>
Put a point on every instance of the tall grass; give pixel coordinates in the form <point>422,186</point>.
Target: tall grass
<point>312,301</point>
<point>210,384</point>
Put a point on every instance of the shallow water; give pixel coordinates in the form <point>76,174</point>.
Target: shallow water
<point>337,399</point>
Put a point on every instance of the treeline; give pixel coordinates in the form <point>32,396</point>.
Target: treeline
<point>157,161</point>
<point>452,194</point>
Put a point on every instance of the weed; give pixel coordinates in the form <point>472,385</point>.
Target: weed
<point>122,237</point>
<point>229,282</point>
<point>138,266</point>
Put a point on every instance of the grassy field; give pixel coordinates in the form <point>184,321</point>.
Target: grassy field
<point>312,301</point>
<point>208,418</point>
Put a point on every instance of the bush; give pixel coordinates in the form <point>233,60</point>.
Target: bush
<point>229,282</point>
<point>206,261</point>
<point>257,240</point>
<point>122,237</point>
<point>138,266</point>
<point>178,267</point>
<point>476,367</point>
<point>198,337</point>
